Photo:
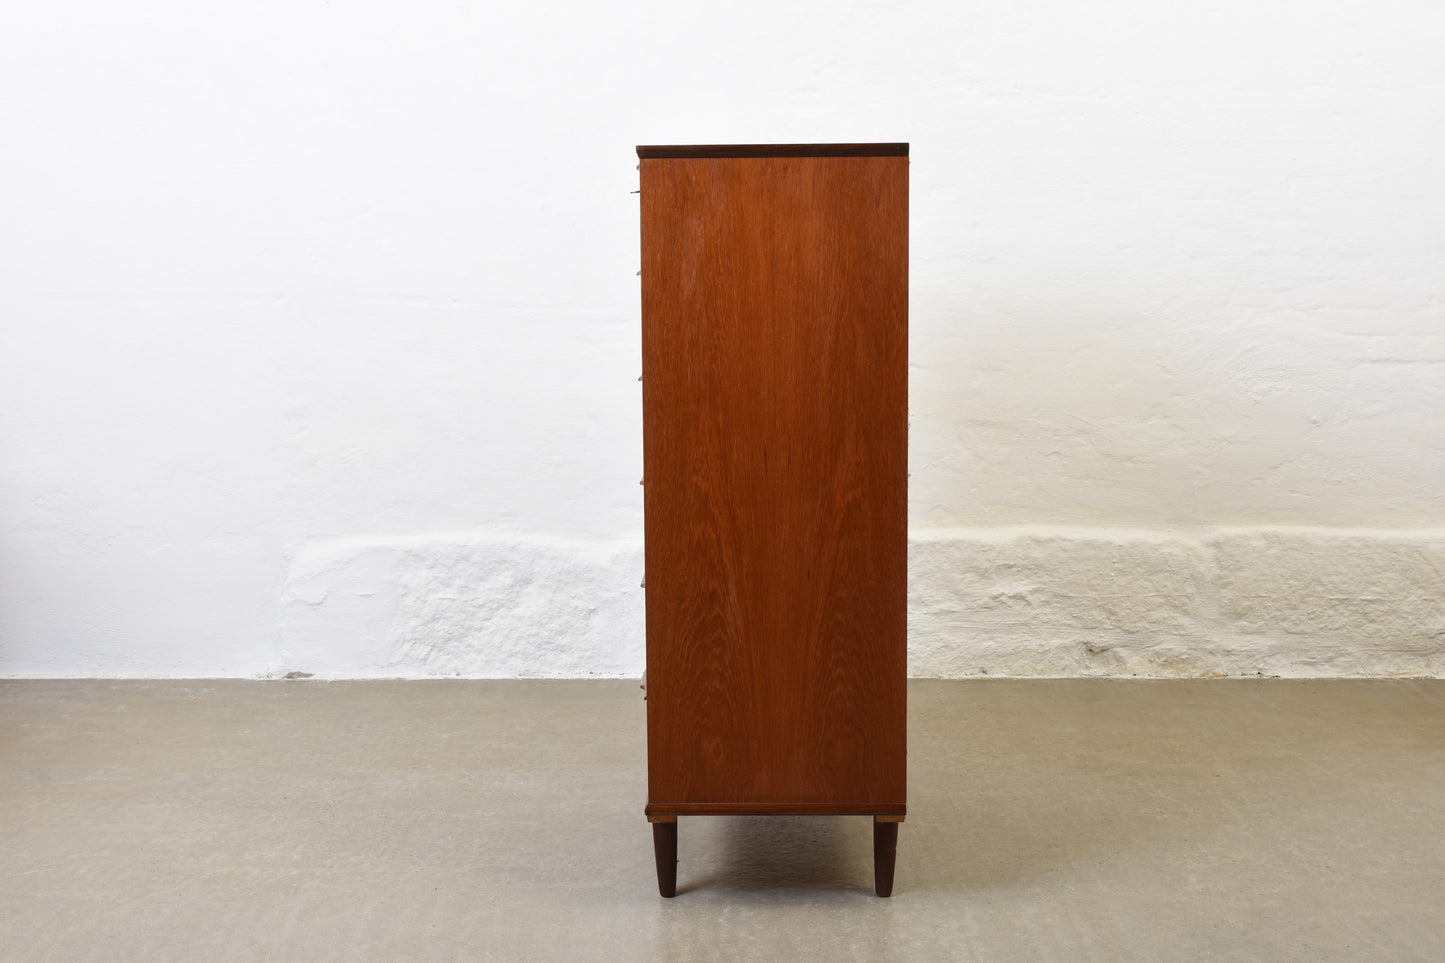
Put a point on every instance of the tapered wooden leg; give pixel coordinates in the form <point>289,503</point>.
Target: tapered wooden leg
<point>664,849</point>
<point>885,853</point>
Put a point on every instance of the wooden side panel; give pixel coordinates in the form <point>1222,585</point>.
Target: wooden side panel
<point>775,419</point>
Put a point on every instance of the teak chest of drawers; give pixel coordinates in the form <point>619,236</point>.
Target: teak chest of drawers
<point>775,444</point>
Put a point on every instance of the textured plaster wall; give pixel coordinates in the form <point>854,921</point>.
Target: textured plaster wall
<point>1289,601</point>
<point>318,326</point>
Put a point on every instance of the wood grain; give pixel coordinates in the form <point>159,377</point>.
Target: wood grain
<point>775,353</point>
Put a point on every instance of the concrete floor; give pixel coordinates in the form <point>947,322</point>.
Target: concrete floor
<point>1049,820</point>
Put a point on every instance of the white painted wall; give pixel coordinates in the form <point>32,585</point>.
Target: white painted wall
<point>318,326</point>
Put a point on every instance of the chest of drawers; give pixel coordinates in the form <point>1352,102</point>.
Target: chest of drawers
<point>775,427</point>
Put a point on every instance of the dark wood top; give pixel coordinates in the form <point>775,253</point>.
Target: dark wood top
<point>773,150</point>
